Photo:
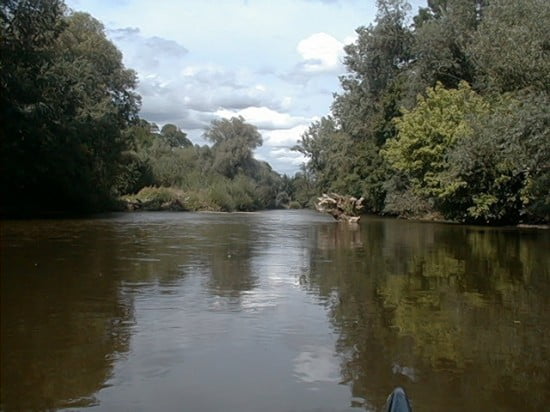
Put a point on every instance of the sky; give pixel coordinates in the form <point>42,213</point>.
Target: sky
<point>274,62</point>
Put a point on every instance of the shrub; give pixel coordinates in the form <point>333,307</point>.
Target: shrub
<point>293,204</point>
<point>158,198</point>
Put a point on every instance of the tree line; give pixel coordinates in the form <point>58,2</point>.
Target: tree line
<point>445,115</point>
<point>72,140</point>
<point>163,167</point>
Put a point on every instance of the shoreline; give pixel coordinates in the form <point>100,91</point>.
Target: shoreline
<point>55,215</point>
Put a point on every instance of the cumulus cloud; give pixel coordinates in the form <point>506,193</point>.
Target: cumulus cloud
<point>165,46</point>
<point>146,54</point>
<point>285,137</point>
<point>189,75</point>
<point>177,90</point>
<point>282,159</point>
<point>321,53</point>
<point>121,34</point>
<point>287,155</point>
<point>265,118</point>
<point>210,89</point>
<point>277,149</point>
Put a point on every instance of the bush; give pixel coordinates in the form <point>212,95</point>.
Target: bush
<point>158,198</point>
<point>220,197</point>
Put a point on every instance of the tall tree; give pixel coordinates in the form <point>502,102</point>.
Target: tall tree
<point>443,32</point>
<point>174,136</point>
<point>233,143</point>
<point>512,46</point>
<point>374,62</point>
<point>502,166</point>
<point>66,98</point>
<point>427,134</point>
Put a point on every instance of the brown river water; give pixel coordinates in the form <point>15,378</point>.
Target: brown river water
<point>272,311</point>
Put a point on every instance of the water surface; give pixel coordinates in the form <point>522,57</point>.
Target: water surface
<point>271,311</point>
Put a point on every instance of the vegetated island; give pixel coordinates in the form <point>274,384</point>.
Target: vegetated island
<point>440,115</point>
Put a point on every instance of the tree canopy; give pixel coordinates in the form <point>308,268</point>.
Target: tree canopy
<point>71,139</point>
<point>440,114</point>
<point>443,115</point>
<point>233,142</point>
<point>65,100</point>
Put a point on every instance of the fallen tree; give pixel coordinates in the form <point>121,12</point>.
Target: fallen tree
<point>343,208</point>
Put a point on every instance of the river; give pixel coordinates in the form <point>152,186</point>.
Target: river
<point>271,311</point>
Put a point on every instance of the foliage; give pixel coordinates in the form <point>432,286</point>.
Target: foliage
<point>512,46</point>
<point>471,160</point>
<point>319,143</point>
<point>374,63</point>
<point>157,198</point>
<point>233,142</point>
<point>245,184</point>
<point>66,99</point>
<point>174,137</point>
<point>445,117</point>
<point>503,165</point>
<point>443,33</point>
<point>71,138</point>
<point>427,134</point>
<point>338,163</point>
<point>294,205</point>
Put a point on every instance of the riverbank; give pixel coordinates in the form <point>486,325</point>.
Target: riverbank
<point>209,199</point>
<point>158,199</point>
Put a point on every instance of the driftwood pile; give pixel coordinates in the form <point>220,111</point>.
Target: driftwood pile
<point>341,207</point>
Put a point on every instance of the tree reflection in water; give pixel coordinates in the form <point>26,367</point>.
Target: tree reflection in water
<point>459,315</point>
<point>61,330</point>
<point>228,260</point>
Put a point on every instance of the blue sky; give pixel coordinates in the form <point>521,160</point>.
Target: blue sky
<point>276,63</point>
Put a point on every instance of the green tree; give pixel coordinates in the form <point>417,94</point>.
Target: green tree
<point>502,166</point>
<point>427,134</point>
<point>174,136</point>
<point>443,32</point>
<point>447,116</point>
<point>319,145</point>
<point>304,189</point>
<point>65,100</point>
<point>512,46</point>
<point>233,142</point>
<point>338,163</point>
<point>100,95</point>
<point>374,62</point>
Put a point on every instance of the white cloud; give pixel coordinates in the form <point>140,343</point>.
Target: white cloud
<point>286,102</point>
<point>320,53</point>
<point>285,137</point>
<point>350,39</point>
<point>287,155</point>
<point>282,159</point>
<point>148,54</point>
<point>190,74</point>
<point>264,117</point>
